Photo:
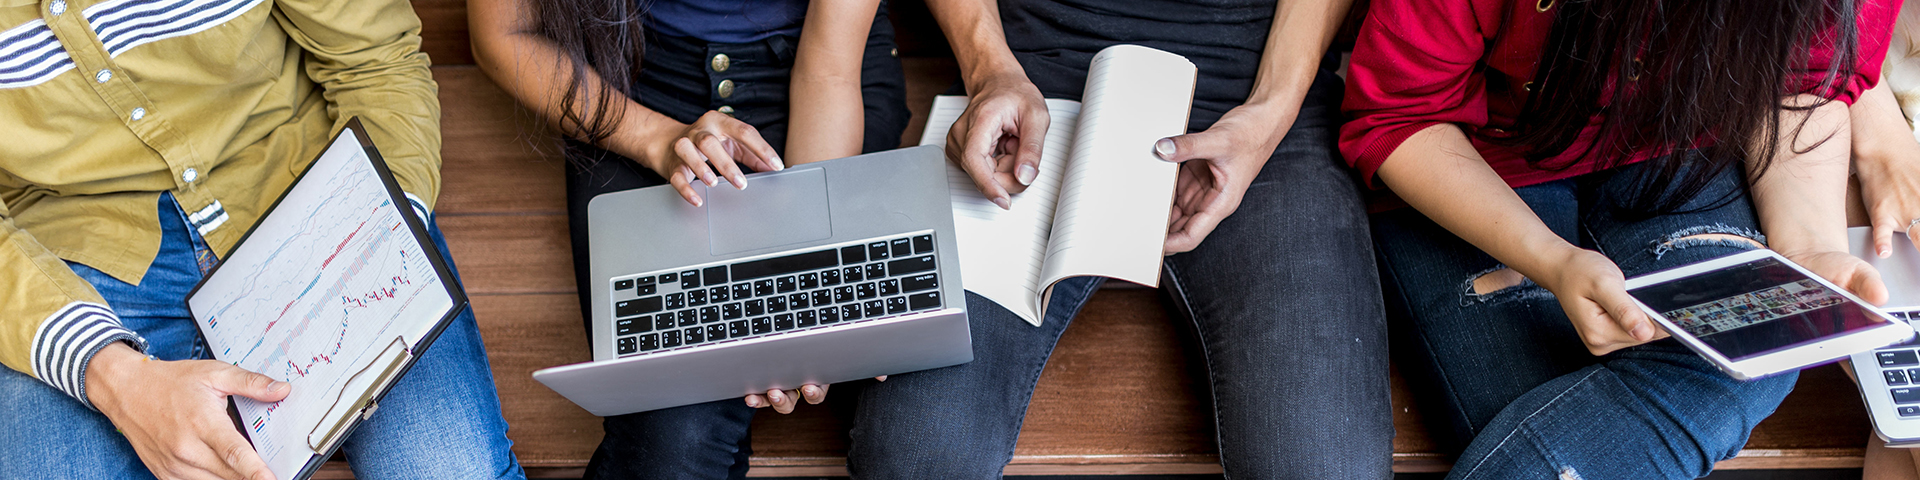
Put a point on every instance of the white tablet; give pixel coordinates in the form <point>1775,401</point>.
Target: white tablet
<point>1756,314</point>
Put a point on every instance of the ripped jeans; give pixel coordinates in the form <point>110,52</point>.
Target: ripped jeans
<point>1504,379</point>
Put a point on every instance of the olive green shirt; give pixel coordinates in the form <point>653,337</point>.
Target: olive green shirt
<point>104,105</point>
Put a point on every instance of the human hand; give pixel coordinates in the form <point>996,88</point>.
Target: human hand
<point>714,142</point>
<point>1845,270</point>
<point>998,140</point>
<point>783,400</point>
<point>1890,190</point>
<point>175,413</point>
<point>1593,293</point>
<point>1216,167</point>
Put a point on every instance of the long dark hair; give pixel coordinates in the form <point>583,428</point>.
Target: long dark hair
<point>1676,75</point>
<point>606,36</point>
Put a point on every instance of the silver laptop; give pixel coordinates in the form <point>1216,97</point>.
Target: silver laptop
<point>822,273</point>
<point>1889,377</point>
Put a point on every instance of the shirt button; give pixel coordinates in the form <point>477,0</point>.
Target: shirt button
<point>721,62</point>
<point>189,175</point>
<point>103,75</point>
<point>139,113</point>
<point>726,109</point>
<point>57,7</point>
<point>725,90</point>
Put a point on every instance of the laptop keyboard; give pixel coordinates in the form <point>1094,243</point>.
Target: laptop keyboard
<point>879,278</point>
<point>1900,367</point>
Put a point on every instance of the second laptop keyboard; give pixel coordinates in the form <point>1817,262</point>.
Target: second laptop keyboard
<point>701,305</point>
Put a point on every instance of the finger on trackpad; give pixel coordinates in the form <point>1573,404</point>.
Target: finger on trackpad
<point>779,209</point>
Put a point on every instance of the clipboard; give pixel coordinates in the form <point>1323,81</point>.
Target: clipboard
<point>358,397</point>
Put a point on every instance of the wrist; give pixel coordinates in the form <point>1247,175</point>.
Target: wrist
<point>105,370</point>
<point>651,147</point>
<point>999,74</point>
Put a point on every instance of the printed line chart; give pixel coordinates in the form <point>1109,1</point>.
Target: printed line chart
<point>326,281</point>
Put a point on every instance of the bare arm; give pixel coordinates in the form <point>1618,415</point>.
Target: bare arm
<point>997,141</point>
<point>1801,199</point>
<point>827,114</point>
<point>1887,161</point>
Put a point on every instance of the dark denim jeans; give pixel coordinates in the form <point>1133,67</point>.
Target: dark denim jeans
<point>677,79</point>
<point>442,420</point>
<point>1504,377</point>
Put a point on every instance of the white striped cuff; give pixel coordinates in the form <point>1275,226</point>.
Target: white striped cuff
<point>419,207</point>
<point>67,341</point>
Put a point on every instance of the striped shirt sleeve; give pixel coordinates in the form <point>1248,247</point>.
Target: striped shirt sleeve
<point>67,341</point>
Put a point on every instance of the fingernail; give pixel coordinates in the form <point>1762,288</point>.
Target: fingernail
<point>1164,148</point>
<point>779,164</point>
<point>698,202</point>
<point>1886,252</point>
<point>1027,172</point>
<point>752,402</point>
<point>1003,203</point>
<point>775,396</point>
<point>710,182</point>
<point>740,182</point>
<point>811,391</point>
<point>279,385</point>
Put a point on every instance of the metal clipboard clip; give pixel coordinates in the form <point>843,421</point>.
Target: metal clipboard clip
<point>387,366</point>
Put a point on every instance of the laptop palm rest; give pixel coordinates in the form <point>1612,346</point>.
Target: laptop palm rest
<point>774,210</point>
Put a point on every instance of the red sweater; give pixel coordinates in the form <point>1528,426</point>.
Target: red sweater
<point>1418,63</point>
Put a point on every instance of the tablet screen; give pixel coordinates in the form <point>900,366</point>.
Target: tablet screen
<point>1755,308</point>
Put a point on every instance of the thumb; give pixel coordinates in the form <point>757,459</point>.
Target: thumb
<point>1865,283</point>
<point>232,380</point>
<point>1627,314</point>
<point>1192,146</point>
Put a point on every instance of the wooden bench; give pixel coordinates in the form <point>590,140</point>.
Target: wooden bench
<point>1096,410</point>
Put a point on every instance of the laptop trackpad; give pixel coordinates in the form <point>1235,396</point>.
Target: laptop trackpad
<point>780,209</point>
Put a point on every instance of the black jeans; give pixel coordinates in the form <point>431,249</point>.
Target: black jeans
<point>678,80</point>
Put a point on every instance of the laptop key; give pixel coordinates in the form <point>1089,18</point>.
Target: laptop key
<point>629,345</point>
<point>647,290</point>
<point>742,291</point>
<point>1913,375</point>
<point>921,282</point>
<point>783,322</point>
<point>719,294</point>
<point>805,318</point>
<point>876,270</point>
<point>737,329</point>
<point>670,339</point>
<point>850,312</point>
<point>874,308</point>
<point>853,254</point>
<point>785,284</point>
<point>1895,377</point>
<point>714,275</point>
<point>1909,410</point>
<point>696,298</point>
<point>867,290</point>
<point>776,304</point>
<point>829,315</point>
<point>646,280</point>
<point>913,265</point>
<point>689,279</point>
<point>716,332</point>
<point>896,305</point>
<point>923,301</point>
<point>676,301</point>
<point>822,297</point>
<point>830,278</point>
<point>730,311</point>
<point>851,274</point>
<point>877,250</point>
<point>762,325</point>
<point>842,294</point>
<point>797,301</point>
<point>631,326</point>
<point>649,342</point>
<point>1897,358</point>
<point>890,287</point>
<point>756,307</point>
<point>922,244</point>
<point>669,278</point>
<point>663,321</point>
<point>1906,395</point>
<point>901,247</point>
<point>762,288</point>
<point>809,281</point>
<point>709,314</point>
<point>636,306</point>
<point>694,335</point>
<point>623,284</point>
<point>688,317</point>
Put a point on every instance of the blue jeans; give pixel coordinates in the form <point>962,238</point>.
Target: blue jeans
<point>1283,296</point>
<point>1503,376</point>
<point>442,420</point>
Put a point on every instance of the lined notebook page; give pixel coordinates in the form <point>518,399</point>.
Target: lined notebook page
<point>1001,251</point>
<point>1112,216</point>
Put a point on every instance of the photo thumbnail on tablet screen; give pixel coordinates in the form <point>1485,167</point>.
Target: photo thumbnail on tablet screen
<point>1755,308</point>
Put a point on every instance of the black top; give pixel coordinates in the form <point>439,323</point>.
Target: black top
<point>1055,40</point>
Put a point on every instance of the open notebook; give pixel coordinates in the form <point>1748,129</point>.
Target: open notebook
<point>1099,206</point>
